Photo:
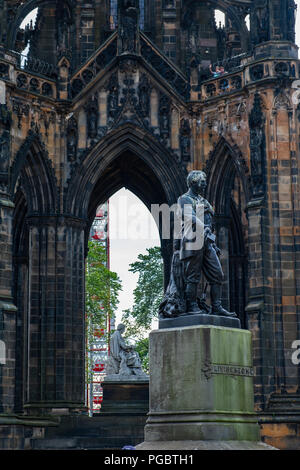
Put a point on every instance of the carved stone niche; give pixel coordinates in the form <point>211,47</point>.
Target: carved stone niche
<point>5,117</point>
<point>4,70</point>
<point>144,95</point>
<point>282,68</point>
<point>72,139</point>
<point>128,26</point>
<point>4,154</point>
<point>236,82</point>
<point>92,116</point>
<point>257,147</point>
<point>211,89</point>
<point>257,72</point>
<point>185,139</point>
<point>5,124</point>
<point>112,87</point>
<point>164,117</point>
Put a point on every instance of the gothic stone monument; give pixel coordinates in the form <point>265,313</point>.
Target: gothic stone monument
<point>201,374</point>
<point>118,94</point>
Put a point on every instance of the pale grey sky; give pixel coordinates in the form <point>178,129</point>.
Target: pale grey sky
<point>142,234</point>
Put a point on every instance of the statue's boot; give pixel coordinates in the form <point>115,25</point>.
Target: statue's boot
<point>217,309</point>
<point>191,299</point>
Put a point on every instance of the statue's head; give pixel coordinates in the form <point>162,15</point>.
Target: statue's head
<point>121,327</point>
<point>196,180</point>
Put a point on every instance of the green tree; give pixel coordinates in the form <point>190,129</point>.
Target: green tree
<point>102,290</point>
<point>148,295</point>
<point>102,285</point>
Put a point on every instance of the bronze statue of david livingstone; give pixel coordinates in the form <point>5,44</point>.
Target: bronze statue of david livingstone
<point>193,256</point>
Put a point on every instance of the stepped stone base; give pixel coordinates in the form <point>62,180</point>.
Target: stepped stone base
<point>203,445</point>
<point>125,396</point>
<point>121,421</point>
<point>202,319</point>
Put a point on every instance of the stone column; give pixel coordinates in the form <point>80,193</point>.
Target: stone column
<point>2,11</point>
<point>63,79</point>
<point>273,29</point>
<point>260,305</point>
<point>7,309</point>
<point>56,324</point>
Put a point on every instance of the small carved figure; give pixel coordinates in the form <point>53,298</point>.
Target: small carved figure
<point>72,139</point>
<point>144,96</point>
<point>123,359</point>
<point>164,117</point>
<point>129,14</point>
<point>63,25</point>
<point>4,151</point>
<point>92,117</point>
<point>113,96</point>
<point>185,139</point>
<point>291,20</point>
<point>257,146</point>
<point>262,21</point>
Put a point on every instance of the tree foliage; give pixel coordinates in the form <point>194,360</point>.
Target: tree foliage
<point>142,347</point>
<point>102,287</point>
<point>148,295</point>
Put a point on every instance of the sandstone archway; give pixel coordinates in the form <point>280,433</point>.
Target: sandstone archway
<point>51,230</point>
<point>228,191</point>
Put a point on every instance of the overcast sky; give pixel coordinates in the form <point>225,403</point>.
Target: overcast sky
<point>142,234</point>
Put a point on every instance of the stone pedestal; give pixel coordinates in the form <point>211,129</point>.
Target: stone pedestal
<point>201,387</point>
<point>130,396</point>
<point>120,423</point>
<point>202,319</point>
<point>124,411</point>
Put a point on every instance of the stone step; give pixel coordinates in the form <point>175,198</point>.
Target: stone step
<point>100,426</point>
<point>53,444</point>
<point>85,442</point>
<point>117,429</point>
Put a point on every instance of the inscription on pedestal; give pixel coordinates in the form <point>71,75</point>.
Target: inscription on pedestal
<point>232,370</point>
<point>211,369</point>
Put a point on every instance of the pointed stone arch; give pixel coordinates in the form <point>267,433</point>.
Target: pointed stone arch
<point>222,160</point>
<point>34,190</point>
<point>228,191</point>
<point>33,169</point>
<point>140,148</point>
<point>127,157</point>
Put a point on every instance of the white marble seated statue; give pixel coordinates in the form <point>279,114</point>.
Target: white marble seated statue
<point>123,359</point>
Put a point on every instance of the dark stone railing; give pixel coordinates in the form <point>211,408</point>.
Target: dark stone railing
<point>232,63</point>
<point>35,65</point>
